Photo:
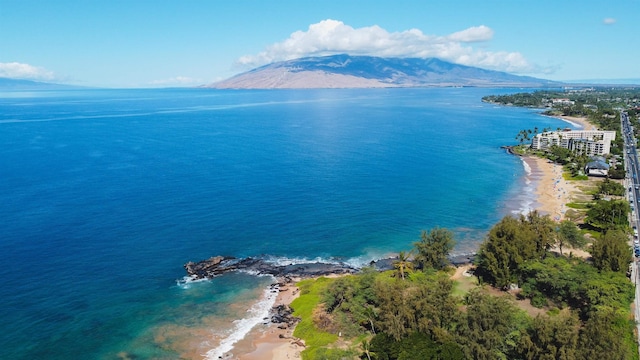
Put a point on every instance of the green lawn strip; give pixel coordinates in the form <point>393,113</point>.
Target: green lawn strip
<point>578,205</point>
<point>463,285</point>
<point>310,296</point>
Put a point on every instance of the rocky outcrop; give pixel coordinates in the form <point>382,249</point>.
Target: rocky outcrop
<point>283,316</point>
<point>219,265</point>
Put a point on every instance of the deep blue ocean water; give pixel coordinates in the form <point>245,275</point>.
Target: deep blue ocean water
<point>105,194</point>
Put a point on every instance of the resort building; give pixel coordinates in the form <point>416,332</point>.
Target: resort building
<point>597,167</point>
<point>589,142</point>
<point>562,102</point>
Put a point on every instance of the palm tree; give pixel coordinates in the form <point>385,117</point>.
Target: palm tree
<point>403,263</point>
<point>366,346</point>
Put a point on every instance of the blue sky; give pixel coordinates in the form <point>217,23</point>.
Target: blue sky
<point>144,43</point>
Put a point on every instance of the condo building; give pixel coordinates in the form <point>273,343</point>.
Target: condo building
<point>589,142</point>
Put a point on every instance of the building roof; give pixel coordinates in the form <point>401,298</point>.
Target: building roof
<point>600,165</point>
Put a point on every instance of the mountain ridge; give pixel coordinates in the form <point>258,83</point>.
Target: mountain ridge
<point>11,84</point>
<point>347,71</point>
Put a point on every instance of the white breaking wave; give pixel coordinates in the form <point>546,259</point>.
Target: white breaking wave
<point>527,196</point>
<point>186,281</point>
<point>241,328</point>
<point>355,262</point>
<point>284,261</point>
<point>527,168</point>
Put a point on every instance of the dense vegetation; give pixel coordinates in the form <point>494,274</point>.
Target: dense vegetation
<point>417,312</point>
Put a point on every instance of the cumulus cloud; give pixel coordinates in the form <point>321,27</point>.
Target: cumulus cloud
<point>472,34</point>
<point>330,37</point>
<point>16,70</point>
<point>609,21</point>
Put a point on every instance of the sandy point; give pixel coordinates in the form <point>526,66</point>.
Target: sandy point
<point>580,121</point>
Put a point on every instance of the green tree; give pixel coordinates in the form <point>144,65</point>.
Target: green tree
<point>550,338</point>
<point>508,245</point>
<point>435,308</point>
<point>603,336</point>
<point>606,215</point>
<point>618,172</point>
<point>569,234</point>
<point>353,301</point>
<point>366,347</point>
<point>543,227</point>
<point>403,263</point>
<point>560,155</point>
<point>489,326</point>
<point>608,187</point>
<point>433,248</point>
<point>574,283</point>
<point>611,252</point>
<point>396,317</point>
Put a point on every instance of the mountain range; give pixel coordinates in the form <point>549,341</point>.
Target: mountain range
<point>9,84</point>
<point>347,71</point>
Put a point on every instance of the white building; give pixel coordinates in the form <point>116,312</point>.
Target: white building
<point>591,142</point>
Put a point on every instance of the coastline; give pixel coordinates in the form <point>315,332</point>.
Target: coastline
<point>552,193</point>
<point>270,340</point>
<point>267,341</point>
<point>574,120</point>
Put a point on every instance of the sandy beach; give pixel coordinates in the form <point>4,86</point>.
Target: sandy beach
<point>581,121</point>
<point>269,341</point>
<point>553,191</point>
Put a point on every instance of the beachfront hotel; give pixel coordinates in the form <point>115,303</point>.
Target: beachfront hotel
<point>590,142</point>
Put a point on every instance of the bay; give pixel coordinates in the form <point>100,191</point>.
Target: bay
<point>106,193</point>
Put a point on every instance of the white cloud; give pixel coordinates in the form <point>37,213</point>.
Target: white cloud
<point>15,70</point>
<point>472,34</point>
<point>609,21</point>
<point>334,37</point>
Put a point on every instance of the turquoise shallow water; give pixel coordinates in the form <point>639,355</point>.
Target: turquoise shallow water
<point>106,193</point>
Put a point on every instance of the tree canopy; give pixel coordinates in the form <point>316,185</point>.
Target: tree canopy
<point>433,248</point>
<point>421,315</point>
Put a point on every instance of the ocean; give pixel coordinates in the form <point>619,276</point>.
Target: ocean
<point>105,194</point>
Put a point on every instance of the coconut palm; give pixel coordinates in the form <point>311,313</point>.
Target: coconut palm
<point>403,264</point>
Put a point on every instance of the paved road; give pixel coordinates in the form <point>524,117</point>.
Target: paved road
<point>632,181</point>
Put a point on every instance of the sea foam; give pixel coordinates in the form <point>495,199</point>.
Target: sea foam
<point>240,329</point>
<point>527,196</point>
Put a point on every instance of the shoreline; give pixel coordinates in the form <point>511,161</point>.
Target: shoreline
<point>270,340</point>
<point>552,193</point>
<point>583,122</point>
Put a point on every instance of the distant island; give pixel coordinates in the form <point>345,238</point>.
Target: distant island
<point>9,84</point>
<point>346,71</point>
